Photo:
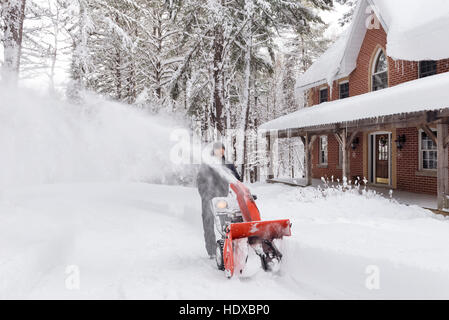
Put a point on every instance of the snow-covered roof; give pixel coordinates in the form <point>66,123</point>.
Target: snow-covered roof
<point>326,67</point>
<point>416,30</point>
<point>426,94</point>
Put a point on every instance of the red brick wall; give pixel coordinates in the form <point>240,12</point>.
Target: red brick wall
<point>359,78</point>
<point>333,166</point>
<point>356,165</point>
<point>443,66</point>
<point>408,165</point>
<point>359,83</point>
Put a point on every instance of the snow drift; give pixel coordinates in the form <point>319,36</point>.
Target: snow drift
<point>44,140</point>
<point>143,241</point>
<point>415,28</point>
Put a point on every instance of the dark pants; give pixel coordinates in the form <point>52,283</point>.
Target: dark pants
<point>208,226</point>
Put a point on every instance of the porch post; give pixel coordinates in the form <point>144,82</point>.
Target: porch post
<point>308,144</point>
<point>345,145</point>
<point>271,140</point>
<point>346,169</point>
<point>442,180</point>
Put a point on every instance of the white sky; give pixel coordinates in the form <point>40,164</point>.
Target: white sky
<point>332,18</point>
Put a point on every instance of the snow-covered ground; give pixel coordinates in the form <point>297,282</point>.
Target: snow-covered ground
<point>145,241</point>
<point>74,225</point>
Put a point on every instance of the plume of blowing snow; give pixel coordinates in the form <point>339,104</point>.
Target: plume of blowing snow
<point>44,140</point>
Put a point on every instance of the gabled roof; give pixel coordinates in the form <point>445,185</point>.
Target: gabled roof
<point>341,58</point>
<point>416,30</point>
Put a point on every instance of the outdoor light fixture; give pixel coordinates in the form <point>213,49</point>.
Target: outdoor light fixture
<point>400,141</point>
<point>355,143</point>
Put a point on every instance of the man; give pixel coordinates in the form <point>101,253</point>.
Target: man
<point>213,181</point>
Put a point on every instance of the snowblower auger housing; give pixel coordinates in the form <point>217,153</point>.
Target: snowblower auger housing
<point>238,217</point>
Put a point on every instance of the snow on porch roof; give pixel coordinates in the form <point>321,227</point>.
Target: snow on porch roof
<point>416,30</point>
<point>427,94</point>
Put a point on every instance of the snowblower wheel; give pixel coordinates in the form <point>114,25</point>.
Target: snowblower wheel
<point>271,255</point>
<point>219,255</point>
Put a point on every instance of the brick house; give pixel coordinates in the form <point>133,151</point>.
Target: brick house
<point>375,116</point>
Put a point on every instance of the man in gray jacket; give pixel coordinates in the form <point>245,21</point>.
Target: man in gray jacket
<point>213,181</point>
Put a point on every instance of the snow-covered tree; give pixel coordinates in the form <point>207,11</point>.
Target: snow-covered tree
<point>347,16</point>
<point>45,39</point>
<point>12,17</point>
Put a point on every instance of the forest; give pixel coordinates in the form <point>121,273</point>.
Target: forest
<point>220,65</point>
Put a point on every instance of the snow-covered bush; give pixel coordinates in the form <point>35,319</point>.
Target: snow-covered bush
<point>333,188</point>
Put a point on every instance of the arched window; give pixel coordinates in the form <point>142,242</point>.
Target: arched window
<point>380,72</point>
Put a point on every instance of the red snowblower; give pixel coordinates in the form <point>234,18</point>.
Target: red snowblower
<point>237,217</point>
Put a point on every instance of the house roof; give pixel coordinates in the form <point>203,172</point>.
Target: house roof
<point>426,94</point>
<point>414,28</point>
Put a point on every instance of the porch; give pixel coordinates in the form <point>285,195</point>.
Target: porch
<point>421,104</point>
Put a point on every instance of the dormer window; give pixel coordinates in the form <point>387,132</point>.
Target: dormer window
<point>344,89</point>
<point>324,95</point>
<point>427,68</point>
<point>380,72</point>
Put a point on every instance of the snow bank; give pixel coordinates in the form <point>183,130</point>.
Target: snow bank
<point>339,238</point>
<point>416,29</point>
<point>142,241</point>
<point>425,94</point>
<point>44,140</point>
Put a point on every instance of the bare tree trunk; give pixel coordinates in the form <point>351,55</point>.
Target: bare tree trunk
<point>157,32</point>
<point>247,99</point>
<point>217,76</point>
<point>13,14</point>
<point>118,75</point>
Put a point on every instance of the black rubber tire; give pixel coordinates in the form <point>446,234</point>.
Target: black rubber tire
<point>219,255</point>
<point>264,263</point>
<point>270,253</point>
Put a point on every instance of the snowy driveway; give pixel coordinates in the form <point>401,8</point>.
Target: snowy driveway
<point>145,241</point>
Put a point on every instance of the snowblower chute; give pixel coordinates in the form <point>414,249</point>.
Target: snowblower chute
<point>237,217</point>
<point>262,229</point>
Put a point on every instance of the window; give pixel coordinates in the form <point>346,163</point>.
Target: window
<point>323,150</point>
<point>428,152</point>
<point>344,90</point>
<point>383,149</point>
<point>427,68</point>
<point>324,96</point>
<point>380,72</point>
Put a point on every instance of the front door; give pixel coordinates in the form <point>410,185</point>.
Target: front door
<point>382,157</point>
